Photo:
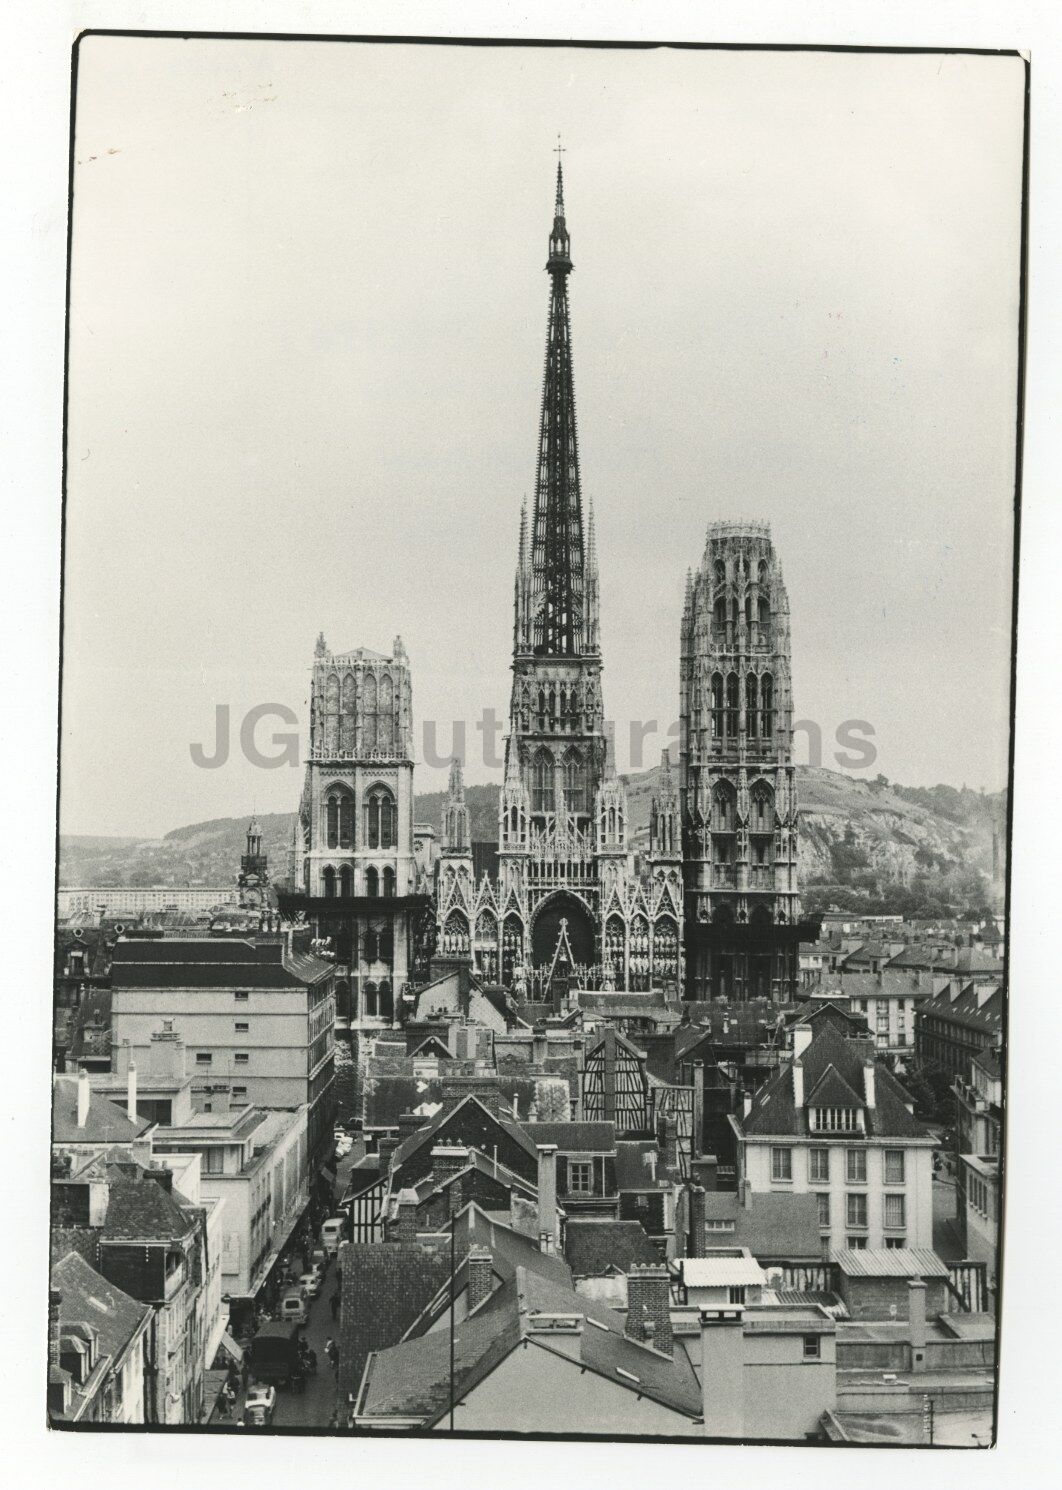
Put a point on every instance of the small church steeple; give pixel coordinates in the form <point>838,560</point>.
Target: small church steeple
<point>456,836</point>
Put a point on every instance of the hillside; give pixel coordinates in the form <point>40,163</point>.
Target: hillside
<point>867,844</point>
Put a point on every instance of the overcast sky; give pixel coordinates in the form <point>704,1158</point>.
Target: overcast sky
<point>306,340</point>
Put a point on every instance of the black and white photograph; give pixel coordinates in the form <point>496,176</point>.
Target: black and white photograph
<point>536,737</point>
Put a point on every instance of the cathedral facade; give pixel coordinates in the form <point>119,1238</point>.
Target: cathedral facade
<point>737,777</point>
<point>565,899</point>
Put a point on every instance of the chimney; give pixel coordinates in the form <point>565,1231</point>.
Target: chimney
<point>869,1070</point>
<point>649,1305</point>
<point>696,1236</point>
<point>447,1161</point>
<point>723,1372</point>
<point>669,1142</point>
<point>547,1196</point>
<point>55,1301</point>
<point>385,1148</point>
<point>746,1104</point>
<point>697,1134</point>
<point>802,1037</point>
<point>540,1046</point>
<point>916,1312</point>
<point>406,1230</point>
<point>879,976</point>
<point>83,1095</point>
<point>480,1276</point>
<point>130,1093</point>
<point>408,1122</point>
<point>798,1083</point>
<point>705,1171</point>
<point>746,1194</point>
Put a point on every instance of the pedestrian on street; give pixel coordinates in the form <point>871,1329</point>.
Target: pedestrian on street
<point>333,1304</point>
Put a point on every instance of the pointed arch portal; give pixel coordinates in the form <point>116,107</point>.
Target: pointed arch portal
<point>547,929</point>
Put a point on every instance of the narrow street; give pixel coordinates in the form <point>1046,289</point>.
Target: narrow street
<point>314,1407</point>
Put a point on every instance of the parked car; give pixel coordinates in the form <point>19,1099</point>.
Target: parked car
<point>320,1259</point>
<point>258,1409</point>
<point>294,1306</point>
<point>332,1234</point>
<point>311,1282</point>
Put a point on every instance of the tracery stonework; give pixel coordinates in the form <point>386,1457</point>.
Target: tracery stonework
<point>739,808</point>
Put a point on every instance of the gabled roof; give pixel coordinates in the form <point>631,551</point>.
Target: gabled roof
<point>105,1122</point>
<point>426,1135</point>
<point>139,1208</point>
<point>831,1090</point>
<point>385,1286</point>
<point>89,1299</point>
<point>594,1247</point>
<point>774,1112</point>
<point>413,1379</point>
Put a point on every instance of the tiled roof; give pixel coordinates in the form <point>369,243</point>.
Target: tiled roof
<point>892,983</point>
<point>595,1247</point>
<point>773,1110</point>
<point>771,1225</point>
<point>90,1299</point>
<point>425,1135</point>
<point>105,1123</point>
<point>575,1138</point>
<point>965,1009</point>
<point>831,1090</point>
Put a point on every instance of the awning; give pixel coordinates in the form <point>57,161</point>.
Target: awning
<point>229,1344</point>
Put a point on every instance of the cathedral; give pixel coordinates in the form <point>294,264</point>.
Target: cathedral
<point>564,902</point>
<point>737,777</point>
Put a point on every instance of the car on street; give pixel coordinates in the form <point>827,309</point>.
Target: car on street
<point>311,1282</point>
<point>259,1407</point>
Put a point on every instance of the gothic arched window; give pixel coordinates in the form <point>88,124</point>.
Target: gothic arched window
<point>372,881</point>
<point>385,714</point>
<point>574,782</point>
<point>717,706</point>
<point>767,706</point>
<point>370,1000</point>
<point>371,950</point>
<point>389,882</point>
<point>751,699</point>
<point>346,883</point>
<point>332,713</point>
<point>368,713</point>
<point>346,724</point>
<point>542,783</point>
<point>724,808</point>
<point>387,944</point>
<point>732,705</point>
<point>328,879</point>
<point>381,819</point>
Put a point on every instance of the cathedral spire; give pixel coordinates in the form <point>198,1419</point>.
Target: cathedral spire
<point>558,551</point>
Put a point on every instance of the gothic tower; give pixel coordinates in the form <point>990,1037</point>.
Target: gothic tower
<point>557,778</point>
<point>737,786</point>
<point>253,882</point>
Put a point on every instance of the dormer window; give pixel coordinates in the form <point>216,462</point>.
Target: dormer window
<point>836,1119</point>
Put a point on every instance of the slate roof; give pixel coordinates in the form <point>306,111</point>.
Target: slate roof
<point>574,1138</point>
<point>90,1299</point>
<point>784,1226</point>
<point>385,1286</point>
<point>106,1121</point>
<point>964,1009</point>
<point>893,983</point>
<point>139,1209</point>
<point>426,1135</point>
<point>413,1379</point>
<point>595,1247</point>
<point>774,1113</point>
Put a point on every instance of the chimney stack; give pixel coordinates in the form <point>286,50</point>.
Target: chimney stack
<point>83,1095</point>
<point>697,1135</point>
<point>802,1037</point>
<point>649,1304</point>
<point>916,1312</point>
<point>385,1148</point>
<point>547,1196</point>
<point>869,1071</point>
<point>723,1372</point>
<point>540,1046</point>
<point>406,1231</point>
<point>746,1194</point>
<point>480,1276</point>
<point>798,1083</point>
<point>746,1104</point>
<point>696,1237</point>
<point>130,1093</point>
